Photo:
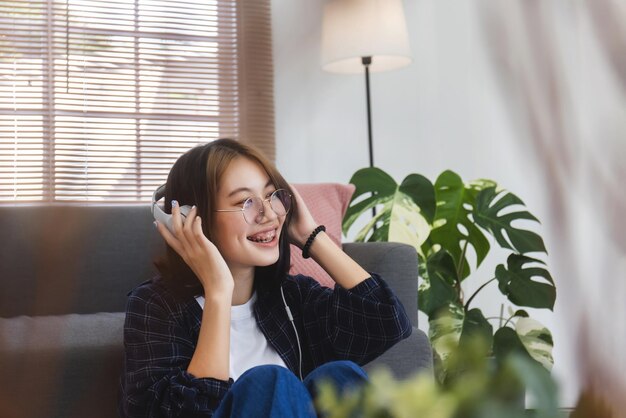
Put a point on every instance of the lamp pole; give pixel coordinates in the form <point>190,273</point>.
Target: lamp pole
<point>366,63</point>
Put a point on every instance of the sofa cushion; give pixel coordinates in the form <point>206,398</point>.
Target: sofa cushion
<point>60,365</point>
<point>327,202</point>
<point>26,333</point>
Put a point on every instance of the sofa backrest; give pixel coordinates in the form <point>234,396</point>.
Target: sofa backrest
<point>62,259</point>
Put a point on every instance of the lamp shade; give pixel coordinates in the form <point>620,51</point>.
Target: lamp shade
<point>353,29</point>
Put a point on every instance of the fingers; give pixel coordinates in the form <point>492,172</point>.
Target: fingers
<point>198,233</point>
<point>188,223</point>
<point>296,195</point>
<point>186,232</point>
<point>192,230</point>
<point>303,222</point>
<point>168,237</point>
<point>177,222</point>
<point>303,210</point>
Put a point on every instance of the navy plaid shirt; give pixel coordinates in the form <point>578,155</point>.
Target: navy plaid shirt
<point>161,332</point>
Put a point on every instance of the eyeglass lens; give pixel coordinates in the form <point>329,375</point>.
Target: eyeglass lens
<point>254,208</point>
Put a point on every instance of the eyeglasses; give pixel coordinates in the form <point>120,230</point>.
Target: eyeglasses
<point>253,208</point>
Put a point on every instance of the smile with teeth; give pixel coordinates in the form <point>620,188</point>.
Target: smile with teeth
<point>266,236</point>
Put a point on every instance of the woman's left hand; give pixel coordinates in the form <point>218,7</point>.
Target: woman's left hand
<point>339,266</point>
<point>302,223</point>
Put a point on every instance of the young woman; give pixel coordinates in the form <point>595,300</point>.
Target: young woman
<point>224,330</point>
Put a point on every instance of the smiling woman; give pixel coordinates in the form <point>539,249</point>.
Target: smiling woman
<point>224,329</point>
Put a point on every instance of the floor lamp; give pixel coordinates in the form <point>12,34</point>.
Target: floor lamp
<point>363,36</point>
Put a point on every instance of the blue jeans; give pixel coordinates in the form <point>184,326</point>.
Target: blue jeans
<point>274,391</point>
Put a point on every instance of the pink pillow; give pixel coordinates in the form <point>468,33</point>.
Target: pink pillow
<point>327,202</point>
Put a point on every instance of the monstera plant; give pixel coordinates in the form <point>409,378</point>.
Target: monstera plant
<point>451,223</point>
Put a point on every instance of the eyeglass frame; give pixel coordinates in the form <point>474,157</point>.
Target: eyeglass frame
<point>261,212</point>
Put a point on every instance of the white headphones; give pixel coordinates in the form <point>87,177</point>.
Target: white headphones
<point>158,212</point>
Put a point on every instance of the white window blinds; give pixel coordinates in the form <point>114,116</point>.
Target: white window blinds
<point>99,97</point>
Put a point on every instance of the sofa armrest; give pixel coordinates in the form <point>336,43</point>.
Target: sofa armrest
<point>407,357</point>
<point>396,263</point>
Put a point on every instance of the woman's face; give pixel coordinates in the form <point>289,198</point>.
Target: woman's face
<point>242,245</point>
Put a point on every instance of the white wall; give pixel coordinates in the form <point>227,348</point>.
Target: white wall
<point>444,111</point>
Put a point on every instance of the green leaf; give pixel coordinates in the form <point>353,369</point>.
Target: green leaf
<point>422,191</point>
<point>402,210</point>
<point>382,233</point>
<point>520,313</point>
<point>476,186</point>
<point>437,289</point>
<point>519,283</point>
<point>407,224</point>
<point>368,180</point>
<point>452,226</point>
<point>538,383</point>
<point>444,331</point>
<point>505,342</point>
<point>537,340</point>
<point>489,215</point>
<point>475,325</point>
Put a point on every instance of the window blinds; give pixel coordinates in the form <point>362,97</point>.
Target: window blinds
<point>98,98</point>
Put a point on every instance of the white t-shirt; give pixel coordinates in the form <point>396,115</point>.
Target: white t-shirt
<point>248,346</point>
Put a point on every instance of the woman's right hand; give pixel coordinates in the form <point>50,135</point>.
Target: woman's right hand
<point>200,254</point>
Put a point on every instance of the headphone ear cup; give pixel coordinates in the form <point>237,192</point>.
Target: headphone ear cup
<point>157,211</point>
<point>167,219</point>
<point>161,217</point>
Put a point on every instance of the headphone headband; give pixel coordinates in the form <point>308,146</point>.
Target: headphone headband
<point>158,194</point>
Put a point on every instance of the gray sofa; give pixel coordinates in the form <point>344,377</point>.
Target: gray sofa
<point>64,275</point>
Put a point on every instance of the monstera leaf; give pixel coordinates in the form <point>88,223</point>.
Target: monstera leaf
<point>453,226</point>
<point>404,211</point>
<point>537,340</point>
<point>488,214</point>
<point>437,290</point>
<point>520,283</point>
<point>444,330</point>
<point>529,338</point>
<point>453,326</point>
<point>476,325</point>
<point>505,342</point>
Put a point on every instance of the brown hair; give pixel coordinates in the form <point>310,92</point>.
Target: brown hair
<point>194,180</point>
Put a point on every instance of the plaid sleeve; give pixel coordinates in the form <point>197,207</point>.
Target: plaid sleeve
<point>158,350</point>
<point>358,324</point>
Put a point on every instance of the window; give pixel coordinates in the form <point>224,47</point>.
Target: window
<point>99,97</point>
